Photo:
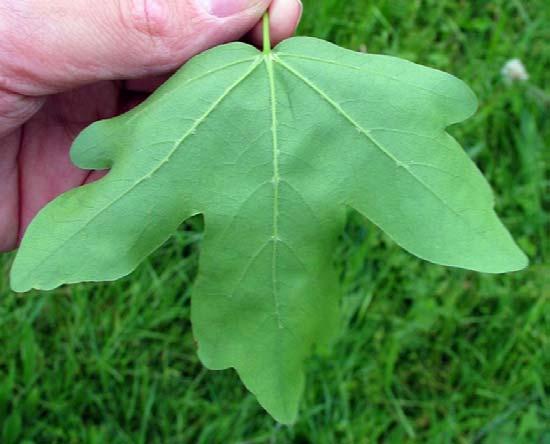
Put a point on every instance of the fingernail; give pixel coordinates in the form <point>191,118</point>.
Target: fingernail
<point>226,8</point>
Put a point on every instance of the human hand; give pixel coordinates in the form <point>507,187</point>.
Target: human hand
<point>67,63</point>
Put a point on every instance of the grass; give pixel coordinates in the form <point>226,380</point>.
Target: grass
<point>427,354</point>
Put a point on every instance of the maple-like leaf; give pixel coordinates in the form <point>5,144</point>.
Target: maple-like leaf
<point>272,149</point>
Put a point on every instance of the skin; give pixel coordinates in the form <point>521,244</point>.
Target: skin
<point>67,63</point>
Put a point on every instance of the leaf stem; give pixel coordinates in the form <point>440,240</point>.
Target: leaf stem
<point>267,36</point>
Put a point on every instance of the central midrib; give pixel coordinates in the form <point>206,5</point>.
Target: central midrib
<point>276,180</point>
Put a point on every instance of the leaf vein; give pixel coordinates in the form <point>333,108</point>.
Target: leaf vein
<point>367,134</point>
<point>362,68</point>
<point>276,186</point>
<point>140,111</point>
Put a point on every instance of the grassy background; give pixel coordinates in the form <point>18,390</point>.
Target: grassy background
<point>428,354</point>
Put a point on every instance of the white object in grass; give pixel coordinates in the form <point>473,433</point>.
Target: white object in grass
<point>514,71</point>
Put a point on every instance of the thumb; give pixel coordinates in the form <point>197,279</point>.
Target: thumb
<point>47,47</point>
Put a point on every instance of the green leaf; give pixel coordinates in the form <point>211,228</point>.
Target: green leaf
<point>273,149</point>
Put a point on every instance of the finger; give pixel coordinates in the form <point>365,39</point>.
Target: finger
<point>284,19</point>
<point>284,16</point>
<point>47,47</point>
<point>9,185</point>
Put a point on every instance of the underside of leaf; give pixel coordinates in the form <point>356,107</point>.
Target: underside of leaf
<point>272,149</point>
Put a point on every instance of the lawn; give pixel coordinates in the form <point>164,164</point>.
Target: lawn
<point>427,354</point>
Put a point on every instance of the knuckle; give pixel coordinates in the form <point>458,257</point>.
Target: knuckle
<point>152,18</point>
<point>159,27</point>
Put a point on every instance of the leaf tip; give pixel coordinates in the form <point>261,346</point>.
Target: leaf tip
<point>513,261</point>
<point>286,419</point>
<point>519,262</point>
<point>23,280</point>
<point>18,285</point>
